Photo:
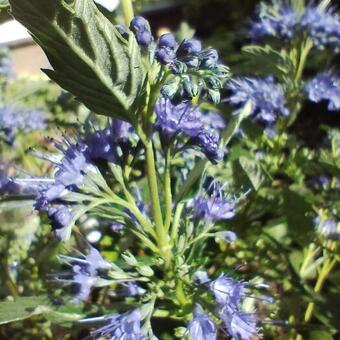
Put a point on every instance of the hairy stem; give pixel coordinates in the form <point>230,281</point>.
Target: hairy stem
<point>127,11</point>
<point>167,190</point>
<point>161,234</point>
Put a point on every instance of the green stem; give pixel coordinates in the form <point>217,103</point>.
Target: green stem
<point>305,49</point>
<point>326,269</point>
<point>167,190</point>
<point>175,223</point>
<point>180,294</point>
<point>322,277</point>
<point>127,11</point>
<point>161,234</point>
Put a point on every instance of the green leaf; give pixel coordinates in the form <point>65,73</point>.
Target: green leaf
<point>320,335</point>
<point>90,58</point>
<point>235,123</point>
<point>23,308</point>
<point>253,170</point>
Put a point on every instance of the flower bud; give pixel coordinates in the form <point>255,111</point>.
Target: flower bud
<point>167,40</point>
<point>189,47</point>
<point>165,55</point>
<point>209,58</point>
<point>141,28</point>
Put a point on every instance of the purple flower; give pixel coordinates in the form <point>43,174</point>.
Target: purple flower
<point>167,40</point>
<point>188,52</point>
<point>188,48</point>
<point>141,28</point>
<point>213,120</point>
<point>214,207</point>
<point>13,120</point>
<point>265,95</point>
<point>239,325</point>
<point>278,20</point>
<point>325,86</point>
<point>201,327</point>
<point>132,289</point>
<point>227,291</point>
<point>165,52</point>
<point>327,228</point>
<point>70,175</point>
<point>74,164</point>
<point>209,58</point>
<point>173,118</point>
<point>208,141</point>
<point>186,120</point>
<point>84,274</point>
<point>273,20</point>
<point>322,26</point>
<point>125,326</point>
<point>101,145</point>
<point>61,218</point>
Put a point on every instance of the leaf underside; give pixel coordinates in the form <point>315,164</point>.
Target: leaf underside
<point>90,58</point>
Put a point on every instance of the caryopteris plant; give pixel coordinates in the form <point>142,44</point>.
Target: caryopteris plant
<point>142,174</point>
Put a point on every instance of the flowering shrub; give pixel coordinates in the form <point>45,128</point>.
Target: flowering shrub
<point>170,202</point>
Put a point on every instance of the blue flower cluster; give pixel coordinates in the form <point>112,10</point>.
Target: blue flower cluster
<point>228,294</point>
<point>265,95</point>
<point>278,20</point>
<point>322,26</point>
<point>84,275</point>
<point>183,119</point>
<point>194,70</point>
<point>214,207</point>
<point>325,86</point>
<point>13,120</point>
<point>78,162</point>
<point>122,326</point>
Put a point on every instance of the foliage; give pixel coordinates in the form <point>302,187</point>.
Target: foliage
<point>184,202</point>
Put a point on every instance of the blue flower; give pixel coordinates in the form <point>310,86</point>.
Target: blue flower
<point>274,20</point>
<point>165,52</point>
<point>265,95</point>
<point>208,141</point>
<point>70,174</point>
<point>84,274</point>
<point>213,207</point>
<point>322,26</point>
<point>141,28</point>
<point>239,325</point>
<point>74,165</point>
<point>325,86</point>
<point>201,327</point>
<point>61,218</point>
<point>125,326</point>
<point>209,58</point>
<point>213,120</point>
<point>132,289</point>
<point>186,120</point>
<point>189,48</point>
<point>328,228</point>
<point>173,119</point>
<point>227,291</point>
<point>101,145</point>
<point>278,20</point>
<point>13,120</point>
